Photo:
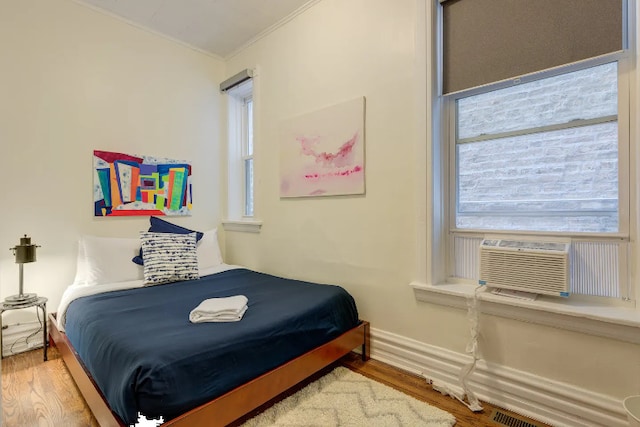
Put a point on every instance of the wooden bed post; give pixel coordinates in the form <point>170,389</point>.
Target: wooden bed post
<point>366,346</point>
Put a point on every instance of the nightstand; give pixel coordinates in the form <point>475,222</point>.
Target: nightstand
<point>41,303</point>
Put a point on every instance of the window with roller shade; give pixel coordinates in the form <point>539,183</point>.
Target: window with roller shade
<point>537,106</point>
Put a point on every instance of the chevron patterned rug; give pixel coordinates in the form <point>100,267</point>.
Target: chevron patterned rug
<point>345,398</point>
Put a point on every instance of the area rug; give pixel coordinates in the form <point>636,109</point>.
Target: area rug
<point>345,398</point>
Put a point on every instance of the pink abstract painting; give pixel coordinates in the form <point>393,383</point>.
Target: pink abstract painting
<point>322,153</point>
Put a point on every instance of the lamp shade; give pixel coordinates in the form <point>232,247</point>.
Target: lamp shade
<point>25,252</point>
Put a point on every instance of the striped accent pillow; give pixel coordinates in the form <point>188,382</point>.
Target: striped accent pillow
<point>169,257</point>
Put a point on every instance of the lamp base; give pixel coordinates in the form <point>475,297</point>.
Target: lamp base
<point>20,299</point>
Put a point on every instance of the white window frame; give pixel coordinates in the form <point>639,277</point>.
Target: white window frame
<point>431,282</point>
<point>623,60</point>
<point>247,155</point>
<point>238,133</point>
<point>622,235</point>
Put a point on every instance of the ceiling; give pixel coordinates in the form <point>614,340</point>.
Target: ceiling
<point>220,27</point>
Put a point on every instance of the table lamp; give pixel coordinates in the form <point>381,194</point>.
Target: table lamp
<point>24,252</point>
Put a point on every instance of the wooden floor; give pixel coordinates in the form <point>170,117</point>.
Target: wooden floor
<point>37,393</point>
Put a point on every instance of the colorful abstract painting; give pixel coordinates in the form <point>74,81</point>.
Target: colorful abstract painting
<point>126,185</point>
<point>322,153</point>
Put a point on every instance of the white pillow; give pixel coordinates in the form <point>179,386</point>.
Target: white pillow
<point>208,250</point>
<point>81,265</point>
<point>108,259</point>
<point>169,257</point>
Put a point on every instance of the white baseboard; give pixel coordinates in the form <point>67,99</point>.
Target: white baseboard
<point>543,399</point>
<point>14,338</point>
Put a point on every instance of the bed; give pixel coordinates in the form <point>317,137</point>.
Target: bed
<point>131,348</point>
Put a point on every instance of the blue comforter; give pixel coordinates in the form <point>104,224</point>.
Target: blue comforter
<point>147,357</point>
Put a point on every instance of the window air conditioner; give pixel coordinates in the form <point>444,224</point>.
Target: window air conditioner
<point>529,266</point>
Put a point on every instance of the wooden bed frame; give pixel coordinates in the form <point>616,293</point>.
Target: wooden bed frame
<point>230,406</point>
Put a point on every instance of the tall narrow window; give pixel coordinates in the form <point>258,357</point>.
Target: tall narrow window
<point>247,158</point>
<point>241,192</point>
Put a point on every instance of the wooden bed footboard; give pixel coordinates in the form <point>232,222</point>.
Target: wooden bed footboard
<point>232,405</point>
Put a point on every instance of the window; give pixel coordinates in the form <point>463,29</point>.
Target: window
<point>537,139</point>
<point>241,165</point>
<point>600,260</point>
<point>546,157</point>
<point>540,156</point>
<point>247,154</point>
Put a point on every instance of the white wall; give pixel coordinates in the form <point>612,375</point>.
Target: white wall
<point>73,80</point>
<point>335,51</point>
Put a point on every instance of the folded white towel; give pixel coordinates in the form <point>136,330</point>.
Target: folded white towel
<point>229,309</point>
<point>221,317</point>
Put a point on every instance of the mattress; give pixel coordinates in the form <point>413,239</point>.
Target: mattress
<point>146,357</point>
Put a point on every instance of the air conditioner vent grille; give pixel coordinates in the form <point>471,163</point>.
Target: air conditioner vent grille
<point>529,269</point>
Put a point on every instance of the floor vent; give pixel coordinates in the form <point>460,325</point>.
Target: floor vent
<point>511,420</point>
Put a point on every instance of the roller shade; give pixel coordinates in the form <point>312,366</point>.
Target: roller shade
<point>236,80</point>
<point>486,41</point>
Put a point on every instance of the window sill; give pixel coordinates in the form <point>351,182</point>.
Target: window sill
<point>619,323</point>
<point>245,226</point>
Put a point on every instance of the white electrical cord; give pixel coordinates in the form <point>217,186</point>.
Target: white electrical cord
<point>472,348</point>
